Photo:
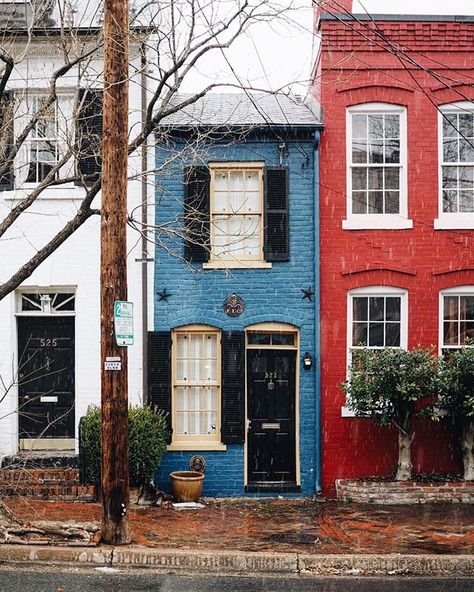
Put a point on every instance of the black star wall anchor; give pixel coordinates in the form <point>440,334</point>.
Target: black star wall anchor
<point>307,293</point>
<point>164,295</point>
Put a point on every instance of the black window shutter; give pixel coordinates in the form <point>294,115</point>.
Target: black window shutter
<point>89,134</point>
<point>276,247</point>
<point>6,138</point>
<point>233,387</point>
<point>159,369</point>
<point>196,213</point>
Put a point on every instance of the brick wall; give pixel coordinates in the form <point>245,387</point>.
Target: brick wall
<point>421,260</point>
<point>269,294</point>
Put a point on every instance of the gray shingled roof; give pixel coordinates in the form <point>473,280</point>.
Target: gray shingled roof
<point>244,109</point>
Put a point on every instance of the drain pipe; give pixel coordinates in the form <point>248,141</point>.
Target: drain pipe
<point>317,378</point>
<point>144,221</point>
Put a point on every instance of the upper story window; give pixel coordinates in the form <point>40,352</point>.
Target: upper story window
<point>63,143</point>
<point>456,318</point>
<point>236,215</point>
<point>456,131</point>
<point>376,172</point>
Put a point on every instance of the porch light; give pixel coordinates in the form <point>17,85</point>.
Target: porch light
<point>307,361</point>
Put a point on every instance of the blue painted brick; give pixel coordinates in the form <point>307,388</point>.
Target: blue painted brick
<point>269,294</point>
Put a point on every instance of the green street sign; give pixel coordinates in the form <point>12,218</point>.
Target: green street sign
<point>123,322</point>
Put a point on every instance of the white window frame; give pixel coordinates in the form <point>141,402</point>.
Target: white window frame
<point>450,220</point>
<point>467,290</point>
<point>230,262</point>
<point>195,441</point>
<point>377,221</point>
<point>367,291</point>
<point>64,110</point>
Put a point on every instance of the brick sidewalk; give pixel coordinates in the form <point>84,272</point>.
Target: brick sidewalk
<point>299,526</point>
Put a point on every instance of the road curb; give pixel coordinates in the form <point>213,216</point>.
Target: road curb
<point>238,562</point>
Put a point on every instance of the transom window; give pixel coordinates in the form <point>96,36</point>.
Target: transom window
<point>376,156</point>
<point>457,320</point>
<point>47,302</point>
<point>196,385</point>
<point>236,212</point>
<point>458,161</point>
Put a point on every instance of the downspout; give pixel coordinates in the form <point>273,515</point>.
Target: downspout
<point>144,223</point>
<point>317,344</point>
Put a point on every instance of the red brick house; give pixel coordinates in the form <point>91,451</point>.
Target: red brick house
<point>396,213</point>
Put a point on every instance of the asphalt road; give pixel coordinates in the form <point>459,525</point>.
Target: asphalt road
<point>42,580</point>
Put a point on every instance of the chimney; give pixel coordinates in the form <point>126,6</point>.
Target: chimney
<point>330,6</point>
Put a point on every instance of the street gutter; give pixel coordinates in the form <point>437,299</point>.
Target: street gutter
<point>240,562</point>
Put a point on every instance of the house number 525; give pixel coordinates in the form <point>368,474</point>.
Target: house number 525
<point>48,342</point>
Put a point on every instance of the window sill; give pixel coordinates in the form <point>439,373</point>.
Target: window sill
<point>197,445</point>
<point>377,222</point>
<point>237,265</point>
<point>454,222</point>
<point>346,412</point>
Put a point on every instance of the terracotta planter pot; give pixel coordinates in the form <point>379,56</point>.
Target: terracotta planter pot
<point>186,486</point>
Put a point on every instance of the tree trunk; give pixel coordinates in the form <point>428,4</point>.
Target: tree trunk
<point>467,445</point>
<point>405,438</point>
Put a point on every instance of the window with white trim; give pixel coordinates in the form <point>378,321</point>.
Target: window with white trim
<point>376,173</point>
<point>237,212</point>
<point>457,318</point>
<point>456,150</point>
<point>196,400</point>
<point>377,317</point>
<point>48,140</point>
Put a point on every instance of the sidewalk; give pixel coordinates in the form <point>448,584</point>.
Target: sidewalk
<point>299,534</point>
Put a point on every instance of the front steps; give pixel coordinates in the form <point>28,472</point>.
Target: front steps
<point>44,476</point>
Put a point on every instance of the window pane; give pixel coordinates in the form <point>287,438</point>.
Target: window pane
<point>376,335</point>
<point>450,177</point>
<point>466,177</point>
<point>359,202</point>
<point>450,150</point>
<point>450,333</point>
<point>360,307</point>
<point>376,178</point>
<point>392,178</point>
<point>450,201</point>
<point>359,178</point>
<point>450,308</point>
<point>392,335</point>
<point>466,124</point>
<point>376,151</point>
<point>466,331</point>
<point>283,339</point>
<point>359,334</point>
<point>466,150</point>
<point>466,201</point>
<point>392,151</point>
<point>375,127</point>
<point>467,305</point>
<point>449,125</point>
<point>359,126</point>
<point>392,126</point>
<point>392,308</point>
<point>375,202</point>
<point>392,202</point>
<point>376,310</point>
<point>258,338</point>
<point>359,151</point>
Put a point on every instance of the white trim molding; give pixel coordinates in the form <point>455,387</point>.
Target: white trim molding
<point>389,220</point>
<point>455,220</point>
<point>457,291</point>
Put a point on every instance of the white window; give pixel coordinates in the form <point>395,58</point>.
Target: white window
<point>377,167</point>
<point>456,157</point>
<point>377,317</point>
<point>237,214</point>
<point>456,318</point>
<point>48,140</point>
<point>196,386</point>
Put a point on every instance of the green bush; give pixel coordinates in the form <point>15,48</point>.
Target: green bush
<point>147,436</point>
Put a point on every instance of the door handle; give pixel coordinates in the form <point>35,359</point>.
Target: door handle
<point>249,424</point>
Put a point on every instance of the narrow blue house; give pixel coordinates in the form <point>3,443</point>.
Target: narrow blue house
<point>234,357</point>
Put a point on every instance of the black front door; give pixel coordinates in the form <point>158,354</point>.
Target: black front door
<point>271,445</point>
<point>46,377</point>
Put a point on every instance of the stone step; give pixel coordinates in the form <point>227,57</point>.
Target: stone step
<point>40,460</point>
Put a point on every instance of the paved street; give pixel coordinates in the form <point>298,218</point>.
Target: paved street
<point>19,580</point>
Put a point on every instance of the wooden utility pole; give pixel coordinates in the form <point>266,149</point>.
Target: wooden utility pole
<point>113,276</point>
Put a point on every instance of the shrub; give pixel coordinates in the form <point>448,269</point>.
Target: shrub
<point>147,437</point>
<point>456,398</point>
<point>391,386</point>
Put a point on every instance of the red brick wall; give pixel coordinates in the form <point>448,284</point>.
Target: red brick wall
<point>353,70</point>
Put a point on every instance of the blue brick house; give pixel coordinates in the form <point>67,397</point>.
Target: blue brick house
<point>234,355</point>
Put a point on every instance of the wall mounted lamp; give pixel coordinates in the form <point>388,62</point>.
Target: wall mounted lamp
<point>307,361</point>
